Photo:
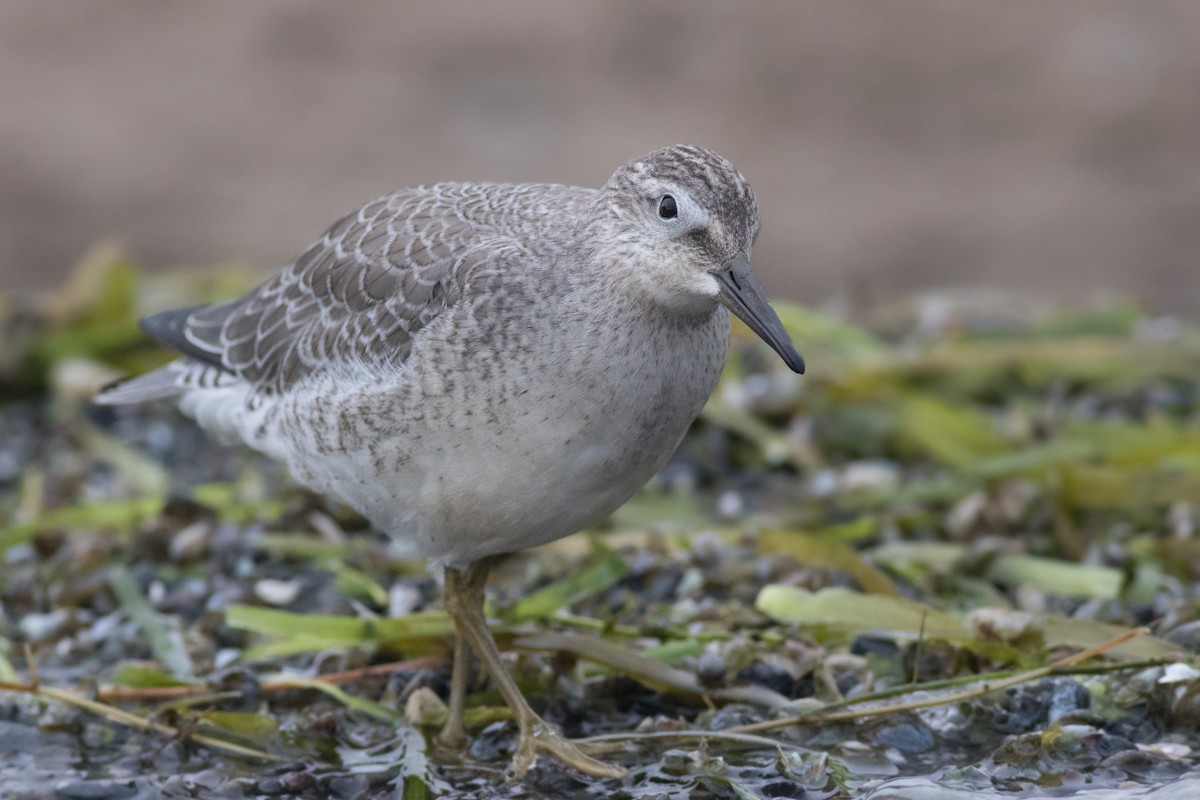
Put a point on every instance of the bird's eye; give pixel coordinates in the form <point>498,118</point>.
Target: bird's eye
<point>667,208</point>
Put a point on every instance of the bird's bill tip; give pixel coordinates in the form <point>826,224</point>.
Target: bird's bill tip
<point>743,295</point>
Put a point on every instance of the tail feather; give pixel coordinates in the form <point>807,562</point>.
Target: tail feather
<point>161,384</point>
<point>201,368</point>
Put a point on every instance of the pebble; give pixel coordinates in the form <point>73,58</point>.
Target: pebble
<point>1187,636</point>
<point>907,737</point>
<point>36,626</point>
<point>276,592</point>
<point>95,790</point>
<point>710,668</point>
<point>192,542</point>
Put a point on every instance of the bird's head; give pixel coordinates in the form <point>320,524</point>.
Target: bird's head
<point>684,220</point>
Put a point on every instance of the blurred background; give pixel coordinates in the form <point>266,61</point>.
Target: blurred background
<point>1048,149</point>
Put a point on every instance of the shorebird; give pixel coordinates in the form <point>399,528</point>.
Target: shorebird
<point>482,368</point>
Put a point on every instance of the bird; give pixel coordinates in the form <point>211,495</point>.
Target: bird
<point>481,368</point>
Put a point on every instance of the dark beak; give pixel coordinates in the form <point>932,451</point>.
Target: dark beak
<point>742,294</point>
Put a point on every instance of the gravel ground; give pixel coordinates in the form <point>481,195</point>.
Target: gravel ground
<point>807,602</point>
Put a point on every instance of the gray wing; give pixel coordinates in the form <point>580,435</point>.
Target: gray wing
<point>360,294</point>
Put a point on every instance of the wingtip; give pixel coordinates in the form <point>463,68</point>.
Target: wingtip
<point>170,328</point>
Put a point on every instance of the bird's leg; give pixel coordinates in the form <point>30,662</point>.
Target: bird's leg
<point>464,595</point>
<point>454,734</point>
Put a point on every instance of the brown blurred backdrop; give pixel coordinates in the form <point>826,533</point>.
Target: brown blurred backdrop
<point>1049,148</point>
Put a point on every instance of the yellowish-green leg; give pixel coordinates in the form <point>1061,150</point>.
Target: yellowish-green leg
<point>454,734</point>
<point>464,595</point>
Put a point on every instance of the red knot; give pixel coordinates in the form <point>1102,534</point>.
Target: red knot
<point>482,368</point>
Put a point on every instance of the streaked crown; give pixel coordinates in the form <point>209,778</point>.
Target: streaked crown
<point>710,180</point>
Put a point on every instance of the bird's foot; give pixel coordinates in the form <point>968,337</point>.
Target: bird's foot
<point>539,735</point>
<point>452,739</point>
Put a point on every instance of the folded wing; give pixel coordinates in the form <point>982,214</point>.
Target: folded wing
<point>359,295</point>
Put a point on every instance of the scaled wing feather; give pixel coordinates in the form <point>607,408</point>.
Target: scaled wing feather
<point>360,293</point>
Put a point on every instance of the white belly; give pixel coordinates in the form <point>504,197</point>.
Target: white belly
<point>455,473</point>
